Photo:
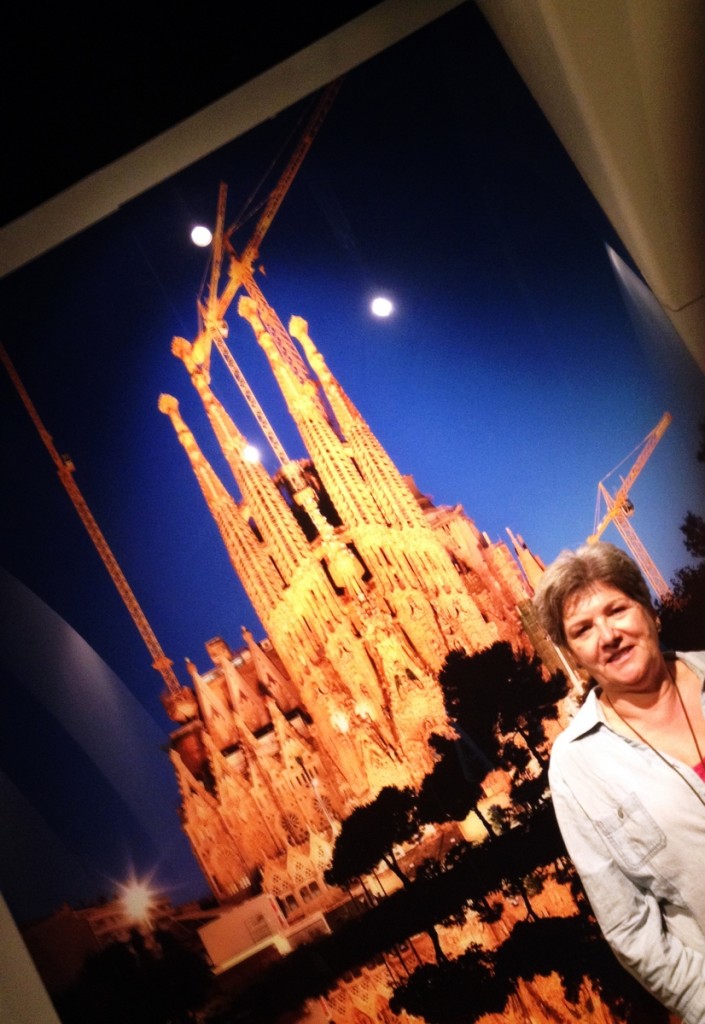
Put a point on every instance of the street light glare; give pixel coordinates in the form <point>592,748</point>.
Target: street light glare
<point>137,901</point>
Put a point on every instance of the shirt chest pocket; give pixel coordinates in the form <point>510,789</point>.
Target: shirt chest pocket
<point>632,833</point>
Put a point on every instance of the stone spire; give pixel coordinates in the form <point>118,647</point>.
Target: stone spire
<point>362,589</point>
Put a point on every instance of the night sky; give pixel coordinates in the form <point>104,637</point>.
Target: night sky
<point>523,363</point>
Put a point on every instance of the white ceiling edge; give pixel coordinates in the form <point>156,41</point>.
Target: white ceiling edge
<point>102,193</point>
<point>623,86</point>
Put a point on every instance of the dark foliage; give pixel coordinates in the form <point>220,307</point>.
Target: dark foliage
<point>693,528</point>
<point>470,702</point>
<point>454,787</point>
<point>480,982</point>
<point>455,992</point>
<point>131,983</point>
<point>369,835</point>
<point>550,944</point>
<point>683,615</point>
<point>499,695</point>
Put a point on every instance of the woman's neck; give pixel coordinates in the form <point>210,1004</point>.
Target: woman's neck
<point>655,698</point>
<point>667,718</point>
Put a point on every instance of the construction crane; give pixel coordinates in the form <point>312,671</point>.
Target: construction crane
<point>240,269</point>
<point>619,508</point>
<point>212,312</point>
<point>179,700</point>
<point>176,694</point>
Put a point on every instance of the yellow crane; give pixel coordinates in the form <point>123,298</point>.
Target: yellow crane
<point>241,269</point>
<point>177,695</point>
<point>178,700</point>
<point>214,328</point>
<point>619,508</point>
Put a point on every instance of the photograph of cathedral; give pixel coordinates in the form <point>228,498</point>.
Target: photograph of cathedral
<point>270,556</point>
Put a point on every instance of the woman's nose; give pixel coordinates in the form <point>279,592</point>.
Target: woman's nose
<point>605,630</point>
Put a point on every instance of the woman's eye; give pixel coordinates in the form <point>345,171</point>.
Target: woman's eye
<point>579,631</point>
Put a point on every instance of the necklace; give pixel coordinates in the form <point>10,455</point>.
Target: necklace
<point>687,718</point>
<point>658,752</point>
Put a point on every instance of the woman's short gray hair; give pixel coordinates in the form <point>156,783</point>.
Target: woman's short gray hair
<point>571,571</point>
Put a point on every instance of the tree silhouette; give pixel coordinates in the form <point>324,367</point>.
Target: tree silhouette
<point>499,694</point>
<point>467,683</point>
<point>501,699</point>
<point>526,701</point>
<point>538,949</point>
<point>683,614</point>
<point>369,835</point>
<point>481,980</point>
<point>454,787</point>
<point>184,977</point>
<point>457,992</point>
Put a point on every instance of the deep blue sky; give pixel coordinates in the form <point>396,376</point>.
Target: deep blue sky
<point>511,379</point>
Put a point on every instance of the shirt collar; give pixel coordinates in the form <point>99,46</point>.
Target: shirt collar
<point>588,717</point>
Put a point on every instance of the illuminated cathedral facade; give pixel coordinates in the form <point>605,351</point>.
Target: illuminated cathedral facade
<point>362,587</point>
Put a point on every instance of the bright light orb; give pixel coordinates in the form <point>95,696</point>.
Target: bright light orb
<point>250,453</point>
<point>201,236</point>
<point>381,306</point>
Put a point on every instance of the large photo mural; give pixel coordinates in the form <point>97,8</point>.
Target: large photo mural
<point>278,709</point>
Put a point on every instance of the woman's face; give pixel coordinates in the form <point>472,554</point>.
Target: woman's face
<point>614,638</point>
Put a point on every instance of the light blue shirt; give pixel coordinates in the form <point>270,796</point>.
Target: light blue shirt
<point>634,827</point>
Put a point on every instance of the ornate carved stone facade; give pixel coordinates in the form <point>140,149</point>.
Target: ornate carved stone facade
<point>362,587</point>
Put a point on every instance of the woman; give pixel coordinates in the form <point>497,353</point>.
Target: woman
<point>627,775</point>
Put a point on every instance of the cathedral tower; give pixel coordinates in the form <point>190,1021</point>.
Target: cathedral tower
<point>362,588</point>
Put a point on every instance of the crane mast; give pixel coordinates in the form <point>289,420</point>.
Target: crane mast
<point>641,555</point>
<point>619,508</point>
<point>276,197</point>
<point>213,330</point>
<point>240,268</point>
<point>66,469</point>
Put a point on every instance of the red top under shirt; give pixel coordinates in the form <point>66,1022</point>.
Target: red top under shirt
<point>700,769</point>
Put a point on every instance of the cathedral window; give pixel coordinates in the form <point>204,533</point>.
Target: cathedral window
<point>310,892</point>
